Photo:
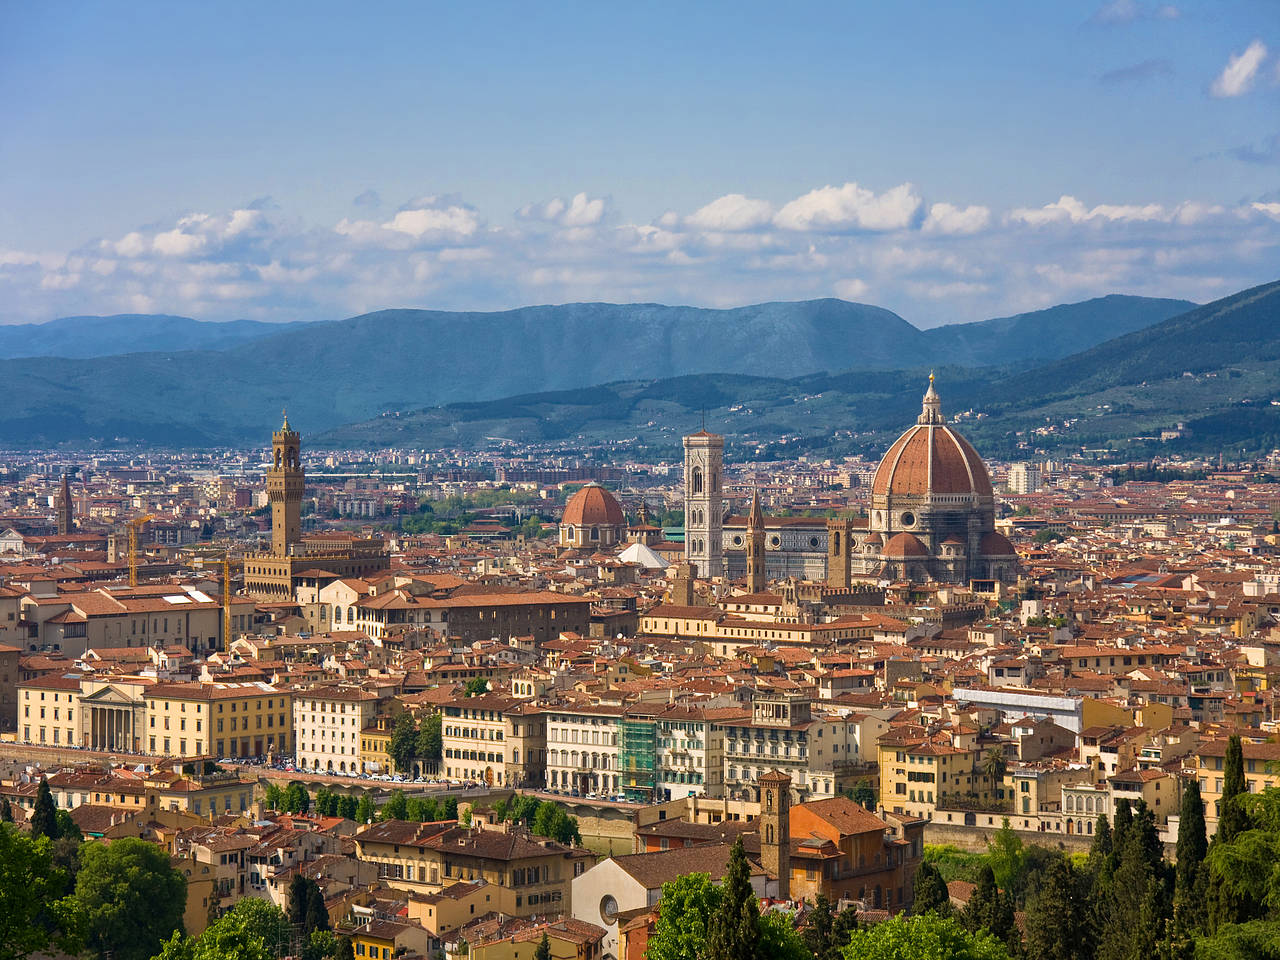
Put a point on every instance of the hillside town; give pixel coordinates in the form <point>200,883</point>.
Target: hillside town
<point>470,729</point>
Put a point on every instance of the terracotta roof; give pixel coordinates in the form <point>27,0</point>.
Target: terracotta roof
<point>593,505</point>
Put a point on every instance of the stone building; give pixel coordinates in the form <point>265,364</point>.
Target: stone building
<point>592,520</point>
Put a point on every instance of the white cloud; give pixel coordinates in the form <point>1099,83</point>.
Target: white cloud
<point>1242,68</point>
<point>851,288</point>
<point>176,243</point>
<point>733,211</point>
<point>1117,11</point>
<point>581,211</point>
<point>131,244</point>
<point>424,220</point>
<point>1270,209</point>
<point>948,219</point>
<point>1067,209</point>
<point>850,207</point>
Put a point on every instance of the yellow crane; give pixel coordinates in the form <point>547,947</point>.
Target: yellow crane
<point>134,526</point>
<point>226,601</point>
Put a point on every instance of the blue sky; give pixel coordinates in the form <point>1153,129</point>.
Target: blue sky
<point>947,161</point>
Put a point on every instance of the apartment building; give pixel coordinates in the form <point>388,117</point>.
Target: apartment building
<point>327,726</point>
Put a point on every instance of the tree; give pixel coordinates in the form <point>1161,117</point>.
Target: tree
<point>296,799</point>
<point>274,798</point>
<point>131,897</point>
<point>994,766</point>
<point>430,740</point>
<point>732,934</point>
<point>253,929</point>
<point>364,810</point>
<point>475,687</point>
<point>6,811</point>
<point>553,822</point>
<point>1133,918</point>
<point>1192,840</point>
<point>1056,920</point>
<point>930,891</point>
<point>44,818</point>
<point>299,889</point>
<point>865,794</point>
<point>990,910</point>
<point>317,917</point>
<point>396,807</point>
<point>347,807</point>
<point>404,742</point>
<point>923,937</point>
<point>35,916</point>
<point>1005,853</point>
<point>543,952</point>
<point>684,915</point>
<point>818,926</point>
<point>1232,817</point>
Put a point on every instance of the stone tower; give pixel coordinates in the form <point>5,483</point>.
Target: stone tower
<point>839,553</point>
<point>775,828</point>
<point>65,508</point>
<point>704,503</point>
<point>284,489</point>
<point>756,578</point>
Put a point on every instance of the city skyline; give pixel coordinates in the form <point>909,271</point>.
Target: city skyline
<point>950,165</point>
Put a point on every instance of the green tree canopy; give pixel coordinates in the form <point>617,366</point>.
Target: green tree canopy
<point>733,934</point>
<point>396,807</point>
<point>543,951</point>
<point>404,742</point>
<point>430,744</point>
<point>930,891</point>
<point>131,897</point>
<point>923,937</point>
<point>364,810</point>
<point>44,817</point>
<point>684,916</point>
<point>35,914</point>
<point>1057,922</point>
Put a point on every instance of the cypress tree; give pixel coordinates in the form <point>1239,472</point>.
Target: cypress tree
<point>6,811</point>
<point>1232,817</point>
<point>317,917</point>
<point>298,899</point>
<point>1193,843</point>
<point>930,892</point>
<point>990,910</point>
<point>732,935</point>
<point>1132,925</point>
<point>817,930</point>
<point>1102,841</point>
<point>1055,920</point>
<point>543,952</point>
<point>44,818</point>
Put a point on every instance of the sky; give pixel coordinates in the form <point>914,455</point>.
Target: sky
<point>951,162</point>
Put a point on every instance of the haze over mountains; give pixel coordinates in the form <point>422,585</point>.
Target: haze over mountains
<point>339,372</point>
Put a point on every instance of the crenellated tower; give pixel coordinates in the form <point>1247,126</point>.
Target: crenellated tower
<point>285,483</point>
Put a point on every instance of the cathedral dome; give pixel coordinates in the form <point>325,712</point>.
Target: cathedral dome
<point>593,505</point>
<point>997,545</point>
<point>931,459</point>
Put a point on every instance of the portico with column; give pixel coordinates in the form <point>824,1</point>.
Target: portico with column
<point>112,717</point>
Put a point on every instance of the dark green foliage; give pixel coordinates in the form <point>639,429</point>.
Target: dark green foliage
<point>317,918</point>
<point>554,822</point>
<point>930,892</point>
<point>35,914</point>
<point>1254,940</point>
<point>299,888</point>
<point>404,742</point>
<point>273,798</point>
<point>732,933</point>
<point>543,951</point>
<point>1232,817</point>
<point>991,910</point>
<point>1192,841</point>
<point>429,746</point>
<point>818,927</point>
<point>865,795</point>
<point>475,687</point>
<point>364,810</point>
<point>130,896</point>
<point>396,807</point>
<point>6,810</point>
<point>348,806</point>
<point>1057,923</point>
<point>296,799</point>
<point>923,937</point>
<point>44,817</point>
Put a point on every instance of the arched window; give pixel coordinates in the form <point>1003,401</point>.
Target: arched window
<point>695,480</point>
<point>768,834</point>
<point>835,543</point>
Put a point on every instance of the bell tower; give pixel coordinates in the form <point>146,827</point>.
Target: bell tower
<point>704,503</point>
<point>284,489</point>
<point>839,553</point>
<point>775,828</point>
<point>756,578</point>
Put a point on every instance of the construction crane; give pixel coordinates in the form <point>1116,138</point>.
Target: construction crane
<point>226,601</point>
<point>134,526</point>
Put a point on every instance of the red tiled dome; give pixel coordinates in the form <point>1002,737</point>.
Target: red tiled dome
<point>593,505</point>
<point>996,545</point>
<point>905,545</point>
<point>931,458</point>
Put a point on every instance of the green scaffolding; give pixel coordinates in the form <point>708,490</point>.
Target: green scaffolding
<point>637,753</point>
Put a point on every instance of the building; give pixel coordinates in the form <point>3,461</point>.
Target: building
<point>327,724</point>
<point>592,520</point>
<point>65,507</point>
<point>273,574</point>
<point>493,739</point>
<point>218,719</point>
<point>582,748</point>
<point>704,503</point>
<point>1024,478</point>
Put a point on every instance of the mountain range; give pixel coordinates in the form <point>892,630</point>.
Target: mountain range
<point>198,391</point>
<point>1213,368</point>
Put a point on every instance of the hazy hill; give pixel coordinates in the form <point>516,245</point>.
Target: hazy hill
<point>337,372</point>
<point>125,333</point>
<point>1215,367</point>
<point>1049,334</point>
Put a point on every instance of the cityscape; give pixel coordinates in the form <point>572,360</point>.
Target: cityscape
<point>693,568</point>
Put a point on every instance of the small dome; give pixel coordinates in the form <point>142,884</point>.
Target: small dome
<point>905,545</point>
<point>996,545</point>
<point>593,505</point>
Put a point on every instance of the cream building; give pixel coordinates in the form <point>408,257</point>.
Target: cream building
<point>218,719</point>
<point>327,722</point>
<point>582,748</point>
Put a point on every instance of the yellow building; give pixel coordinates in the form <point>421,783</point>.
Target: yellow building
<point>49,710</point>
<point>1260,770</point>
<point>918,775</point>
<point>569,939</point>
<point>218,720</point>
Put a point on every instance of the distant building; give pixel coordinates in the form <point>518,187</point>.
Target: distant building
<point>704,503</point>
<point>273,574</point>
<point>1024,478</point>
<point>592,520</point>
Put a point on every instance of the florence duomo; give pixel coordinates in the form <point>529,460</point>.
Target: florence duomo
<point>640,481</point>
